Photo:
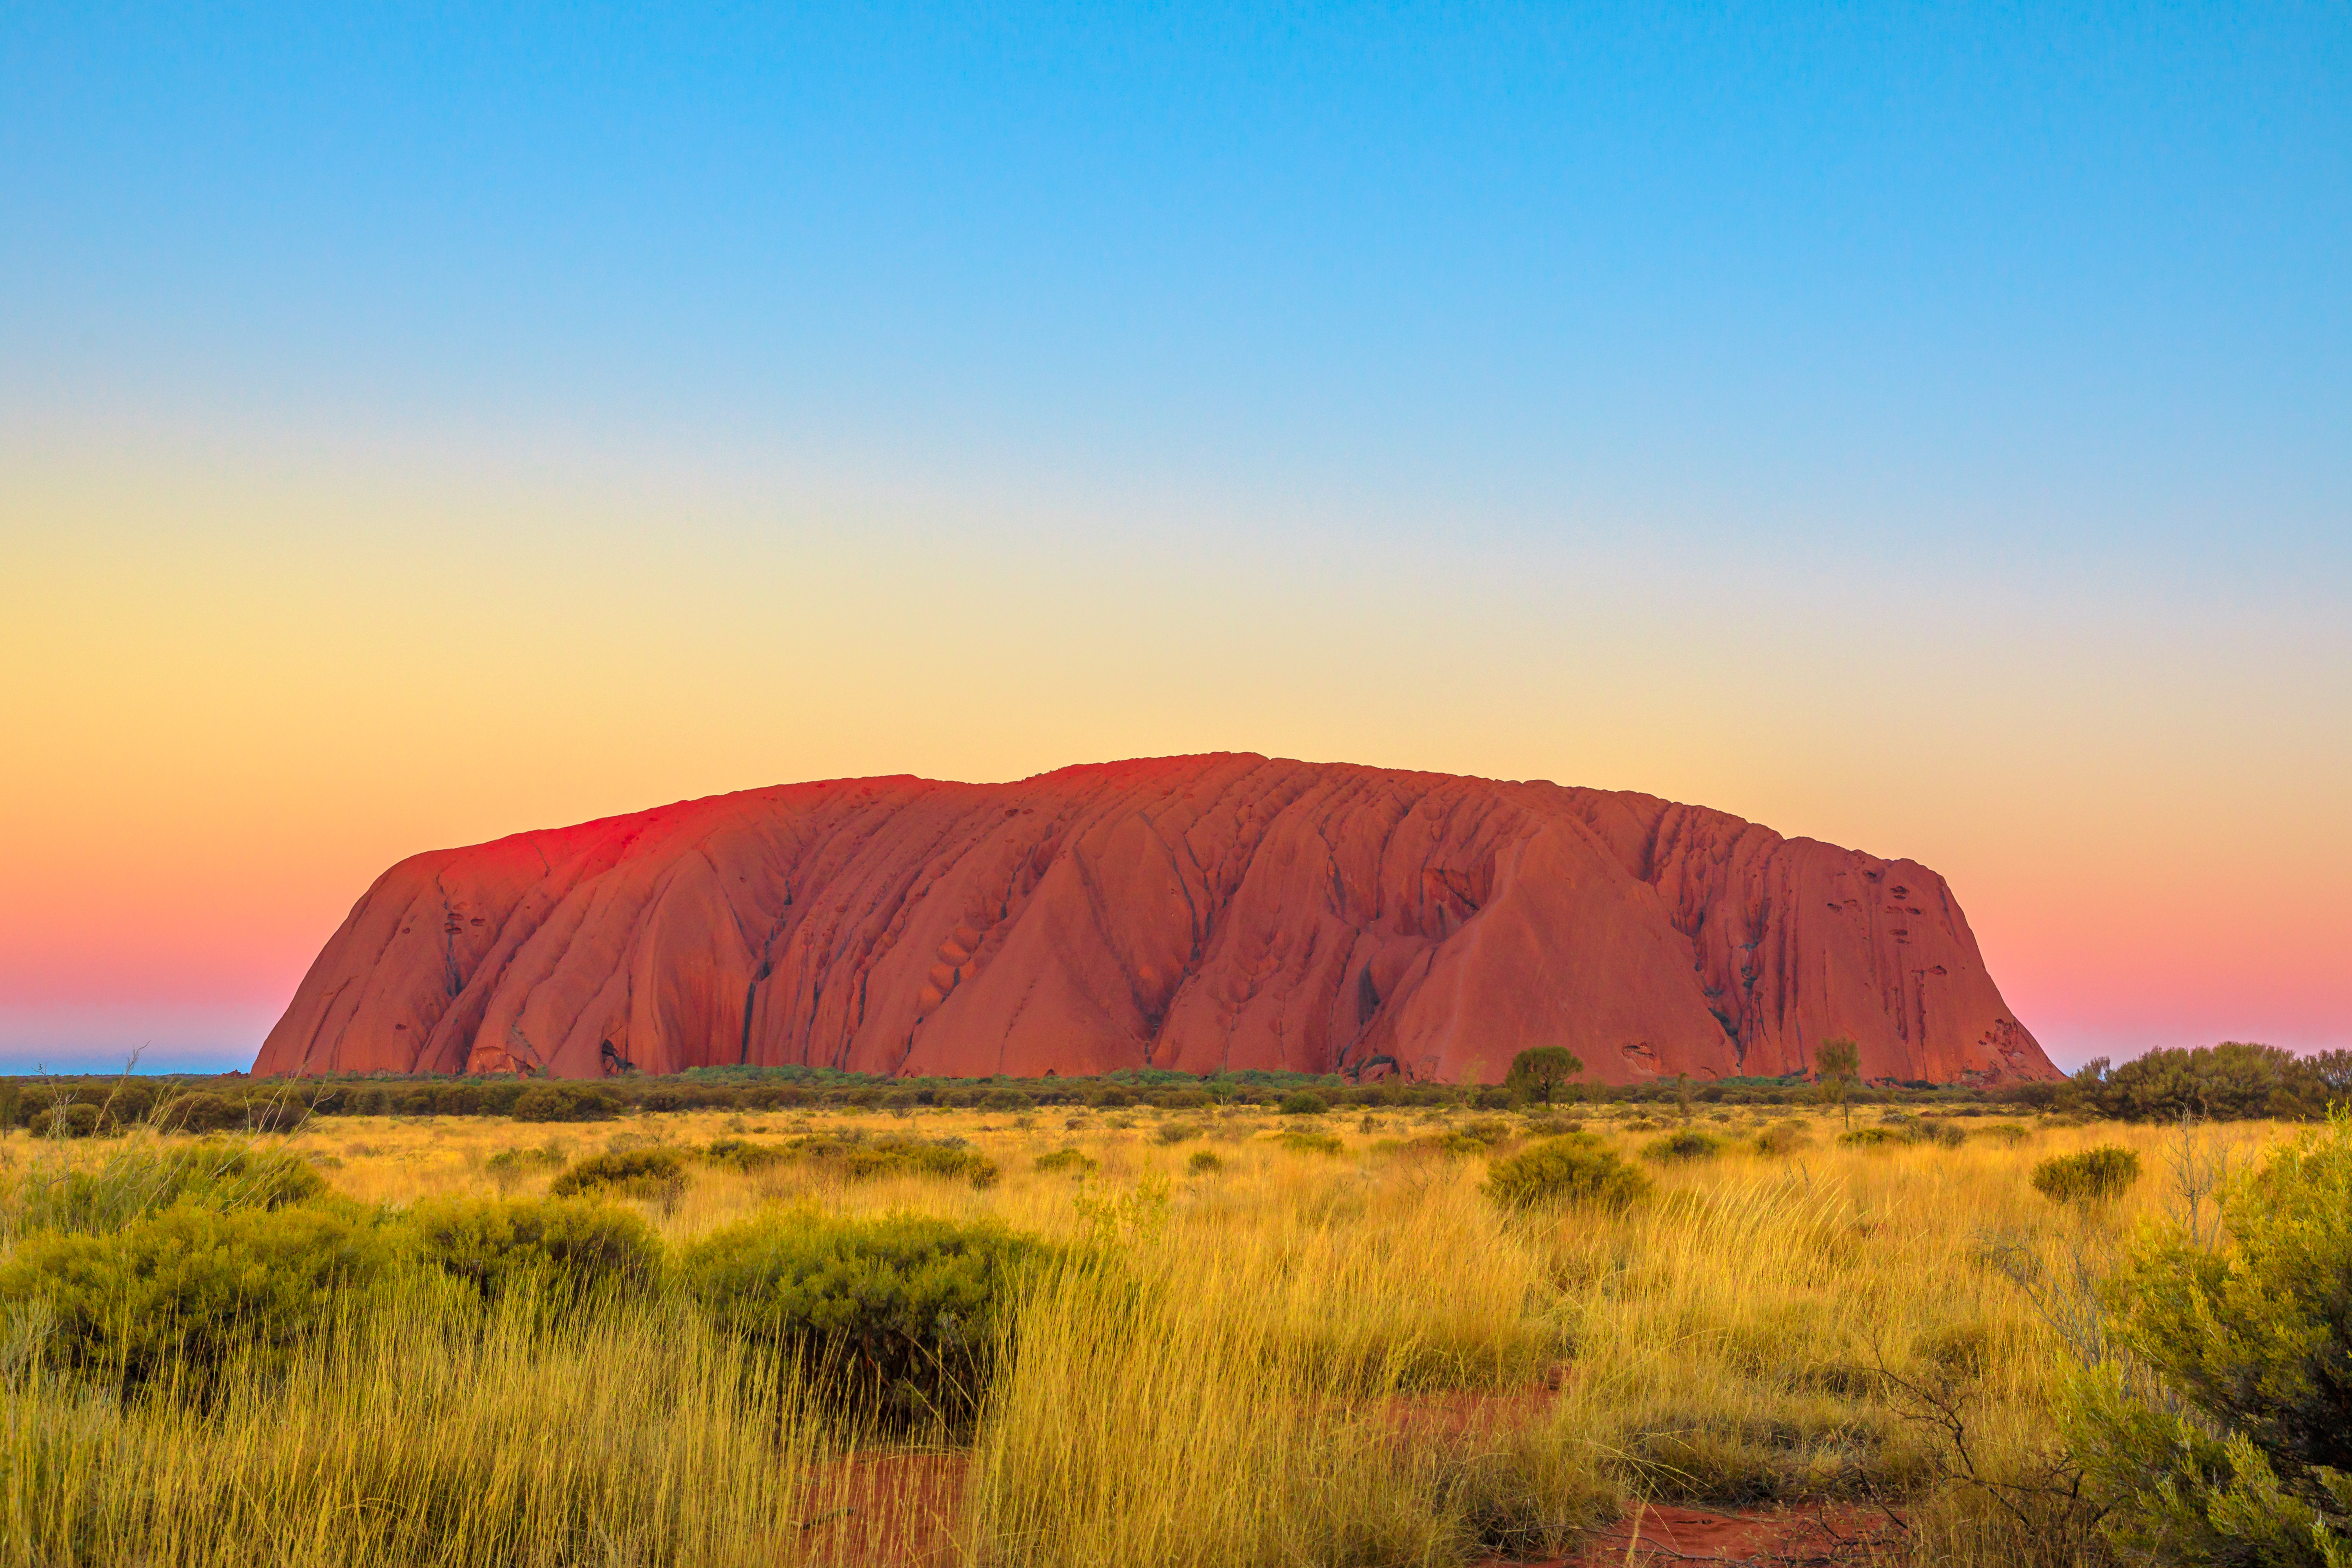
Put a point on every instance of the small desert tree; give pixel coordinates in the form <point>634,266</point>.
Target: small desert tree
<point>1543,1072</point>
<point>1683,1095</point>
<point>1837,1064</point>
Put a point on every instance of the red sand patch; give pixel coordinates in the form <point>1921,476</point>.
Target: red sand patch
<point>1788,1539</point>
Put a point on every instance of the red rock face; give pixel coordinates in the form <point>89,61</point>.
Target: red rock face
<point>1196,913</point>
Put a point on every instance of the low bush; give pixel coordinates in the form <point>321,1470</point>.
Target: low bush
<point>625,1173</point>
<point>1782,1138</point>
<point>563,1102</point>
<point>199,1112</point>
<point>1866,1137</point>
<point>1687,1144</point>
<point>744,1154</point>
<point>2241,1454</point>
<point>1573,1168</point>
<point>1299,1102</point>
<point>1487,1131</point>
<point>2094,1176</point>
<point>1204,1163</point>
<point>181,1293</point>
<point>1552,1126</point>
<point>897,1315</point>
<point>867,1160</point>
<point>1176,1132</point>
<point>1073,1161</point>
<point>2008,1133</point>
<point>1309,1140</point>
<point>142,1179</point>
<point>572,1250</point>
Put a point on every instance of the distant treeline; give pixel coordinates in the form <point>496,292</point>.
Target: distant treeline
<point>2225,1082</point>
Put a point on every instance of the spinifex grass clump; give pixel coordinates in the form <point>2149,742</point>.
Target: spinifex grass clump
<point>1686,1144</point>
<point>571,1252</point>
<point>2097,1176</point>
<point>872,1159</point>
<point>172,1298</point>
<point>102,1193</point>
<point>624,1173</point>
<point>896,1315</point>
<point>1573,1168</point>
<point>1071,1162</point>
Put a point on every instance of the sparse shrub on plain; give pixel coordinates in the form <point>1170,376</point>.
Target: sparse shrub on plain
<point>571,1249</point>
<point>744,1154</point>
<point>178,1294</point>
<point>1552,1126</point>
<point>1487,1130</point>
<point>128,1182</point>
<point>1867,1138</point>
<point>1204,1163</point>
<point>897,1315</point>
<point>866,1160</point>
<point>1782,1138</point>
<point>1574,1168</point>
<point>1176,1132</point>
<point>199,1113</point>
<point>1309,1140</point>
<point>2094,1176</point>
<point>563,1102</point>
<point>652,1174</point>
<point>2005,1133</point>
<point>1075,1162</point>
<point>1301,1102</point>
<point>2254,1341</point>
<point>1687,1144</point>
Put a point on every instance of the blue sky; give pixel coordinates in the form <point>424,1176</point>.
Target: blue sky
<point>1588,393</point>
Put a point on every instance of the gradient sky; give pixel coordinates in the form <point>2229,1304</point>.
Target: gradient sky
<point>1925,429</point>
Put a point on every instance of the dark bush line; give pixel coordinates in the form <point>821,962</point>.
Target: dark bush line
<point>2223,1082</point>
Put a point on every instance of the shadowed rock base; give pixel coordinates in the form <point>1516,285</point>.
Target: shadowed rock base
<point>1195,913</point>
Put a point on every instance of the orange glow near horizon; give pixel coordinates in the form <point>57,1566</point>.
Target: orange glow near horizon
<point>252,688</point>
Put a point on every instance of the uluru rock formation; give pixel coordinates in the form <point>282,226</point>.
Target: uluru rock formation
<point>1195,913</point>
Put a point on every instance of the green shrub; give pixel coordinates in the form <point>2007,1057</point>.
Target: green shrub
<point>1204,1163</point>
<point>1687,1144</point>
<point>2094,1176</point>
<point>1006,1099</point>
<point>141,1179</point>
<point>175,1296</point>
<point>1552,1126</point>
<point>1299,1102</point>
<point>1782,1138</point>
<point>2256,1343</point>
<point>563,1102</point>
<point>1866,1137</point>
<point>628,1172</point>
<point>1070,1160</point>
<point>199,1112</point>
<point>1176,1132</point>
<point>1487,1131</point>
<point>1573,1168</point>
<point>866,1160</point>
<point>1309,1140</point>
<point>571,1249</point>
<point>898,1315</point>
<point>744,1154</point>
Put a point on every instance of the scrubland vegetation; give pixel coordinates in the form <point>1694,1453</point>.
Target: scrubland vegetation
<point>1164,1325</point>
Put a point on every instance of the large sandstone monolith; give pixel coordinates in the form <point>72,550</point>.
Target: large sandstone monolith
<point>1195,913</point>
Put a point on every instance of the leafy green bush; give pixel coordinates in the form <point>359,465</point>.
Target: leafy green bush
<point>173,1297</point>
<point>1071,1160</point>
<point>872,1159</point>
<point>744,1154</point>
<point>898,1315</point>
<point>2094,1176</point>
<point>571,1249</point>
<point>1574,1168</point>
<point>1300,1102</point>
<point>94,1195</point>
<point>2256,1343</point>
<point>628,1172</point>
<point>1309,1140</point>
<point>1204,1163</point>
<point>1866,1137</point>
<point>1687,1144</point>
<point>563,1102</point>
<point>199,1112</point>
<point>1552,1126</point>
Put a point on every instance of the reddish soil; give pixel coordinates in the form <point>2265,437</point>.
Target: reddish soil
<point>1777,1538</point>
